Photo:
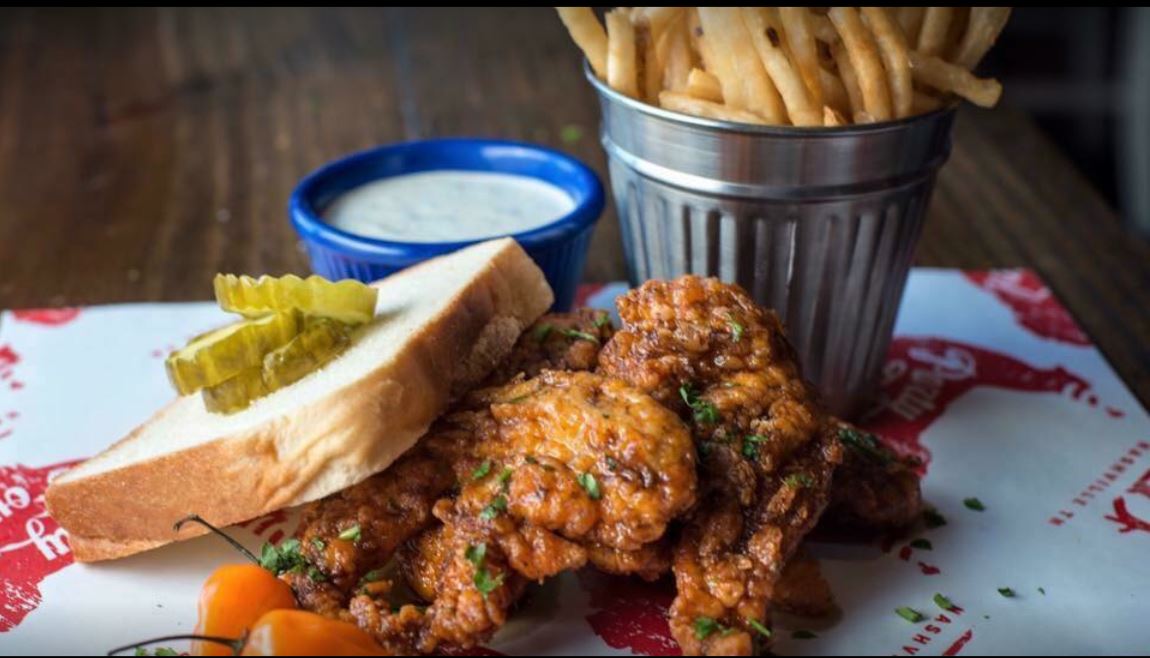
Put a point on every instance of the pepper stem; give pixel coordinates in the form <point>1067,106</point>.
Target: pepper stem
<point>237,646</point>
<point>197,519</point>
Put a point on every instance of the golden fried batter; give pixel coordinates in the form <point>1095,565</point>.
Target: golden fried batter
<point>557,341</point>
<point>562,462</point>
<point>768,451</point>
<point>874,488</point>
<point>802,591</point>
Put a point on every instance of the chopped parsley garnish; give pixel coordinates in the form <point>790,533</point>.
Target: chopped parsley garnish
<point>933,519</point>
<point>866,444</point>
<point>543,331</point>
<point>283,558</point>
<point>758,626</point>
<point>505,476</point>
<point>798,480</point>
<point>315,575</point>
<point>476,553</point>
<point>736,328</point>
<point>372,576</point>
<point>579,335</point>
<point>601,320</point>
<point>705,627</point>
<point>910,614</point>
<point>974,504</point>
<point>1006,592</point>
<point>318,544</point>
<point>590,484</point>
<point>922,544</point>
<point>493,509</point>
<point>484,582</point>
<point>482,470</point>
<point>612,463</point>
<point>803,635</point>
<point>943,602</point>
<point>750,445</point>
<point>704,412</point>
<point>352,534</point>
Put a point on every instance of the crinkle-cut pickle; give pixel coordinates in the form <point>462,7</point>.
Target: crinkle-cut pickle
<point>320,342</point>
<point>219,355</point>
<point>347,301</point>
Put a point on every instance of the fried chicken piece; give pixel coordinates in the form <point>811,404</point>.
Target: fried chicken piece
<point>557,341</point>
<point>874,489</point>
<point>395,505</point>
<point>803,591</point>
<point>649,562</point>
<point>768,450</point>
<point>566,461</point>
<point>351,533</point>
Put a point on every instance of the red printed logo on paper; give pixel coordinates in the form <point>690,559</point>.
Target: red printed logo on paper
<point>32,545</point>
<point>1128,521</point>
<point>923,376</point>
<point>1034,306</point>
<point>8,360</point>
<point>631,614</point>
<point>49,317</point>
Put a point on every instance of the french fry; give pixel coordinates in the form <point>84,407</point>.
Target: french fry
<point>893,49</point>
<point>650,74</point>
<point>924,102</point>
<point>946,77</point>
<point>982,31</point>
<point>588,34</point>
<point>622,75</point>
<point>674,50</point>
<point>849,80</point>
<point>798,35</point>
<point>741,74</point>
<point>700,46</point>
<point>689,105</point>
<point>823,29</point>
<point>935,29</point>
<point>704,86</point>
<point>765,28</point>
<point>832,118</point>
<point>802,66</point>
<point>834,91</point>
<point>864,57</point>
<point>658,19</point>
<point>910,20</point>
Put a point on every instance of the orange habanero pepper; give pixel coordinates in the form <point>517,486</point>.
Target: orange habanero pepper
<point>235,597</point>
<point>302,633</point>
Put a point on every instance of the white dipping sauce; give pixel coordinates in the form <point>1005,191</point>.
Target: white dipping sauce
<point>448,206</point>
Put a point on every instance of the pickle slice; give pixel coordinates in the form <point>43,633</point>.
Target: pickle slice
<point>219,355</point>
<point>236,393</point>
<point>321,341</point>
<point>348,301</point>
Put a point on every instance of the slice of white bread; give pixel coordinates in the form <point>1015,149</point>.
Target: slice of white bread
<point>440,327</point>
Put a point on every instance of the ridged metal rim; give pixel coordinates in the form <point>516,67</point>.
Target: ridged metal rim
<point>696,184</point>
<point>766,131</point>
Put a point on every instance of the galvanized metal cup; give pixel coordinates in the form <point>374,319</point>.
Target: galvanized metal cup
<point>818,224</point>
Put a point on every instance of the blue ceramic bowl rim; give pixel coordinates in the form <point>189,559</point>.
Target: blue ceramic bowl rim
<point>570,175</point>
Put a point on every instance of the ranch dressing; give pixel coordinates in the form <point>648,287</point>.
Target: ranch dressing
<point>448,206</point>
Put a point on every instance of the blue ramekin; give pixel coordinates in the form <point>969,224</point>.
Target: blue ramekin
<point>559,248</point>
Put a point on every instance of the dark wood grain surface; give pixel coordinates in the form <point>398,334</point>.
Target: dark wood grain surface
<point>144,150</point>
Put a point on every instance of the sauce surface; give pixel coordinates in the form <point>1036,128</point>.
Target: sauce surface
<point>448,206</point>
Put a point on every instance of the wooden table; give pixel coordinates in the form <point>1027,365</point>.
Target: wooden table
<point>143,150</point>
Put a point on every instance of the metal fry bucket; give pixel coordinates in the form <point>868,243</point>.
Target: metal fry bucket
<point>818,224</point>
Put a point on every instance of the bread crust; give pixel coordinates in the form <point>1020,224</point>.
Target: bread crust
<point>320,447</point>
